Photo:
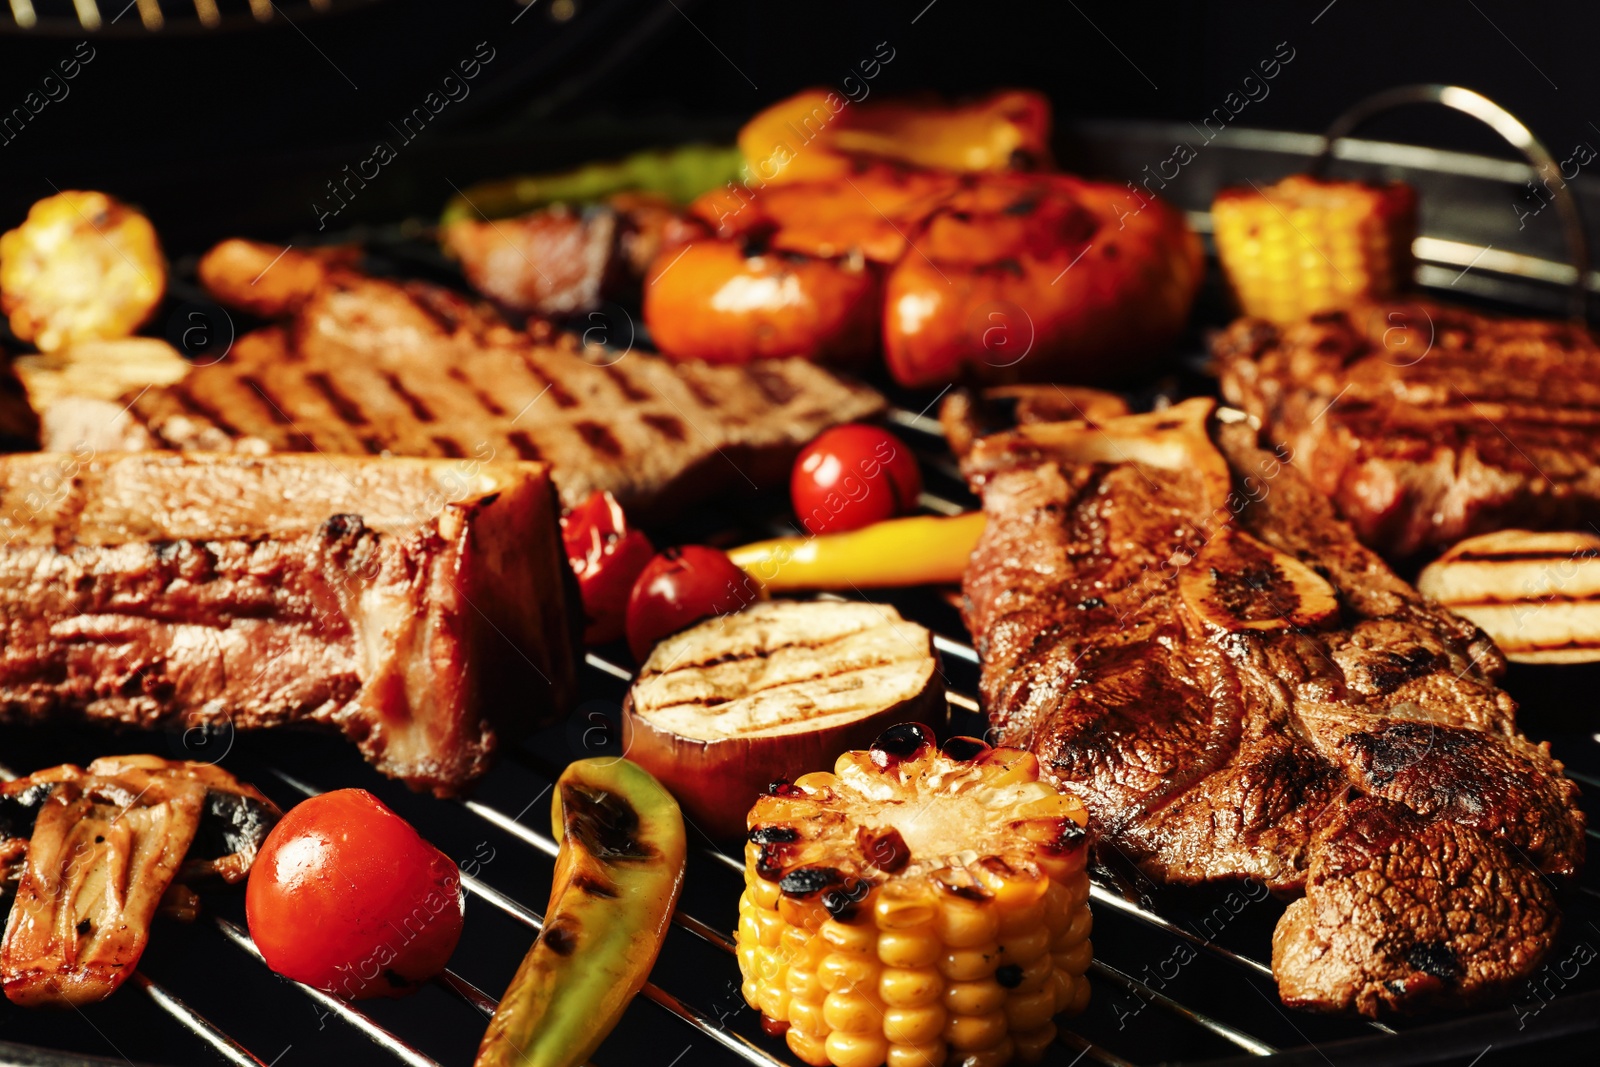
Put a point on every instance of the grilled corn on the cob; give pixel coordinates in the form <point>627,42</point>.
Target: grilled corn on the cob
<point>1305,245</point>
<point>916,906</point>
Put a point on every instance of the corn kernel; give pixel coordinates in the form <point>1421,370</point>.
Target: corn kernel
<point>974,998</point>
<point>909,948</point>
<point>856,1049</point>
<point>970,1033</point>
<point>910,987</point>
<point>929,1055</point>
<point>914,1026</point>
<point>851,1011</point>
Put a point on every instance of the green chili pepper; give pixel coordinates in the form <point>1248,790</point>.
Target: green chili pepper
<point>617,879</point>
<point>679,174</point>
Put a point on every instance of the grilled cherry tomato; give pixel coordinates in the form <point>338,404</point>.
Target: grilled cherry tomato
<point>682,586</point>
<point>347,897</point>
<point>607,555</point>
<point>853,476</point>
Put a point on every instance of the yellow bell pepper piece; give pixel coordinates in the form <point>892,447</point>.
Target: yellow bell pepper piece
<point>918,550</point>
<point>818,134</point>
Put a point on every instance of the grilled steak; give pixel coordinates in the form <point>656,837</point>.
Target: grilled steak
<point>1176,623</point>
<point>1427,423</point>
<point>420,607</point>
<point>370,366</point>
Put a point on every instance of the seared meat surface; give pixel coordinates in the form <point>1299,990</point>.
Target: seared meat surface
<point>1427,423</point>
<point>1177,624</point>
<point>416,606</point>
<point>366,366</point>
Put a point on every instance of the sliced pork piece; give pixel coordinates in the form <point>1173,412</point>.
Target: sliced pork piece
<point>1176,623</point>
<point>377,367</point>
<point>1427,423</point>
<point>419,607</point>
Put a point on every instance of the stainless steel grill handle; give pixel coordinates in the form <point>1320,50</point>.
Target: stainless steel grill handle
<point>1514,131</point>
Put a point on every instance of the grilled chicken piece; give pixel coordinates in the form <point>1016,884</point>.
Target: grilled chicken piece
<point>420,607</point>
<point>1174,621</point>
<point>375,367</point>
<point>727,706</point>
<point>104,850</point>
<point>1536,594</point>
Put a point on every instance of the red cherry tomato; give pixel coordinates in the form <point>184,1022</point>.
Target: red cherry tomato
<point>347,897</point>
<point>682,586</point>
<point>607,555</point>
<point>853,476</point>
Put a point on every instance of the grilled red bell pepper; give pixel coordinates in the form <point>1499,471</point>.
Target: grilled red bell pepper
<point>607,555</point>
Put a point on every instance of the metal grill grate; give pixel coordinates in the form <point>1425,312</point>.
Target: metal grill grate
<point>1173,981</point>
<point>78,16</point>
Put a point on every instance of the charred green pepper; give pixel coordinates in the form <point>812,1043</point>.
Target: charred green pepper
<point>617,879</point>
<point>679,174</point>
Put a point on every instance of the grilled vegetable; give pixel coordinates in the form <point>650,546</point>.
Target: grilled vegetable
<point>820,134</point>
<point>725,707</point>
<point>348,898</point>
<point>852,476</point>
<point>1536,594</point>
<point>917,550</point>
<point>607,555</point>
<point>82,267</point>
<point>916,904</point>
<point>1040,277</point>
<point>679,174</point>
<point>617,880</point>
<point>732,301</point>
<point>99,852</point>
<point>1305,245</point>
<point>679,587</point>
<point>1239,583</point>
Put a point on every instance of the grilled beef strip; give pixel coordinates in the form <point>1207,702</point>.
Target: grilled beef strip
<point>1428,423</point>
<point>1176,623</point>
<point>420,607</point>
<point>105,850</point>
<point>367,366</point>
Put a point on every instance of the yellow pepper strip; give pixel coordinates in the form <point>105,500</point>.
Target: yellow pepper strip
<point>617,879</point>
<point>817,135</point>
<point>918,550</point>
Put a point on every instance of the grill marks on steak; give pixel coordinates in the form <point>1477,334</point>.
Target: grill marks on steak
<point>368,366</point>
<point>1427,423</point>
<point>1367,759</point>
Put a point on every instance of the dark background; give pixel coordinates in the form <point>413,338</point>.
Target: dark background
<point>238,129</point>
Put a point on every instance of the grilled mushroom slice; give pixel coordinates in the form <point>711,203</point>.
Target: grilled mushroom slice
<point>725,707</point>
<point>104,848</point>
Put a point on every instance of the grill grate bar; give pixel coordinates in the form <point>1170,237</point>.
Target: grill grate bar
<point>1101,895</point>
<point>1089,1050</point>
<point>469,993</point>
<point>1199,1018</point>
<point>197,1024</point>
<point>361,1021</point>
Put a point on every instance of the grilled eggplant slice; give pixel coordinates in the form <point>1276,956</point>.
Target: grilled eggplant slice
<point>1536,594</point>
<point>724,708</point>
